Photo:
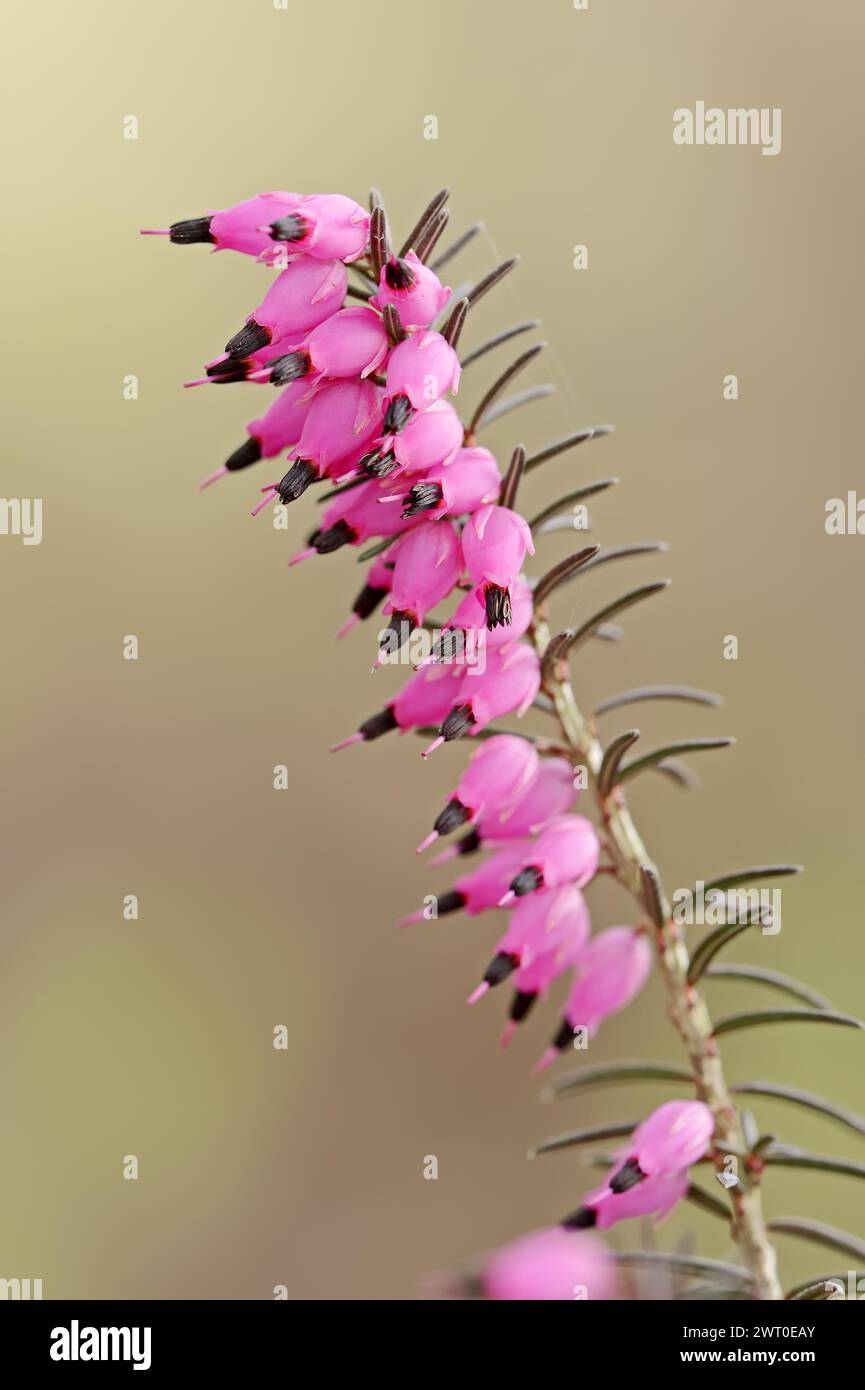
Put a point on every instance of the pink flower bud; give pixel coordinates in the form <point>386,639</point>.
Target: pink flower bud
<point>427,566</point>
<point>553,925</point>
<point>430,440</point>
<point>237,228</point>
<point>495,542</point>
<point>301,297</point>
<point>421,369</point>
<point>344,418</point>
<point>326,226</point>
<point>420,701</point>
<point>498,773</point>
<point>567,851</point>
<point>414,290</point>
<point>551,1265</point>
<point>469,482</point>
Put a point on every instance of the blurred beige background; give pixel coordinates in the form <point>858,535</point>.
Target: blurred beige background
<point>258,908</point>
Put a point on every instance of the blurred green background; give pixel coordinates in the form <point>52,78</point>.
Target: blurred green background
<point>258,908</point>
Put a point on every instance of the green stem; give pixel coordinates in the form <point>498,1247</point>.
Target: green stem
<point>686,1005</point>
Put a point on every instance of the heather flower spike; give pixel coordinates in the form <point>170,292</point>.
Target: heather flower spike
<point>362,401</point>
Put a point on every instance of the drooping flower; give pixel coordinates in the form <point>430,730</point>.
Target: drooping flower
<point>508,684</point>
<point>550,1265</point>
<point>237,228</point>
<point>420,370</point>
<point>650,1173</point>
<point>610,973</point>
<point>325,226</point>
<point>413,290</point>
<point>495,544</point>
<point>302,296</point>
<point>567,851</point>
<point>342,419</point>
<point>428,564</point>
<point>498,774</point>
<point>553,925</point>
<point>478,891</point>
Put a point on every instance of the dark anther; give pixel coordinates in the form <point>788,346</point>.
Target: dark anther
<point>453,815</point>
<point>192,230</point>
<point>288,368</point>
<point>249,452</point>
<point>498,606</point>
<point>378,724</point>
<point>397,415</point>
<point>580,1220</point>
<point>628,1176</point>
<point>296,481</point>
<point>251,338</point>
<point>526,882</point>
<point>450,902</point>
<point>368,600</point>
<point>457,723</point>
<point>333,537</point>
<point>398,630</point>
<point>399,275</point>
<point>229,369</point>
<point>522,1005</point>
<point>421,498</point>
<point>564,1037</point>
<point>376,464</point>
<point>294,227</point>
<point>499,968</point>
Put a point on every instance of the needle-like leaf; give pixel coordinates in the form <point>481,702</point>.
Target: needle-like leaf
<point>454,325</point>
<point>429,239</point>
<point>498,338</point>
<point>692,745</point>
<point>519,398</point>
<point>657,692</point>
<point>562,572</point>
<point>577,495</point>
<point>510,486</point>
<point>581,1136</point>
<point>774,978</point>
<point>755,874</point>
<point>605,1073</point>
<point>378,248</point>
<point>711,944</point>
<point>821,1287</point>
<point>568,441</point>
<point>652,894</point>
<point>691,1266</point>
<point>785,1156</point>
<point>430,212</point>
<point>501,382</point>
<point>773,1090</point>
<point>820,1234</point>
<point>489,281</point>
<point>734,1022</point>
<point>562,645</point>
<point>456,246</point>
<point>613,755</point>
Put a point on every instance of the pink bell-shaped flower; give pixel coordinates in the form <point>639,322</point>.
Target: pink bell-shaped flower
<point>414,291</point>
<point>420,702</point>
<point>497,775</point>
<point>342,420</point>
<point>508,683</point>
<point>420,370</point>
<point>325,226</point>
<point>551,1265</point>
<point>237,228</point>
<point>496,540</point>
<point>610,973</point>
<point>301,297</point>
<point>427,566</point>
<point>555,925</point>
<point>567,851</point>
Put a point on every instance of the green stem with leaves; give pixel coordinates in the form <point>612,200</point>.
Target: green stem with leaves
<point>687,1007</point>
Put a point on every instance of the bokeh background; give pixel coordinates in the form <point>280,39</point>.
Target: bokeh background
<point>257,908</point>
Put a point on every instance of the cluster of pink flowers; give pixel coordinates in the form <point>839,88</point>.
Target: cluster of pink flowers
<point>362,404</point>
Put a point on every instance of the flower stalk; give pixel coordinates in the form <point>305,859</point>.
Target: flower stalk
<point>688,1010</point>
